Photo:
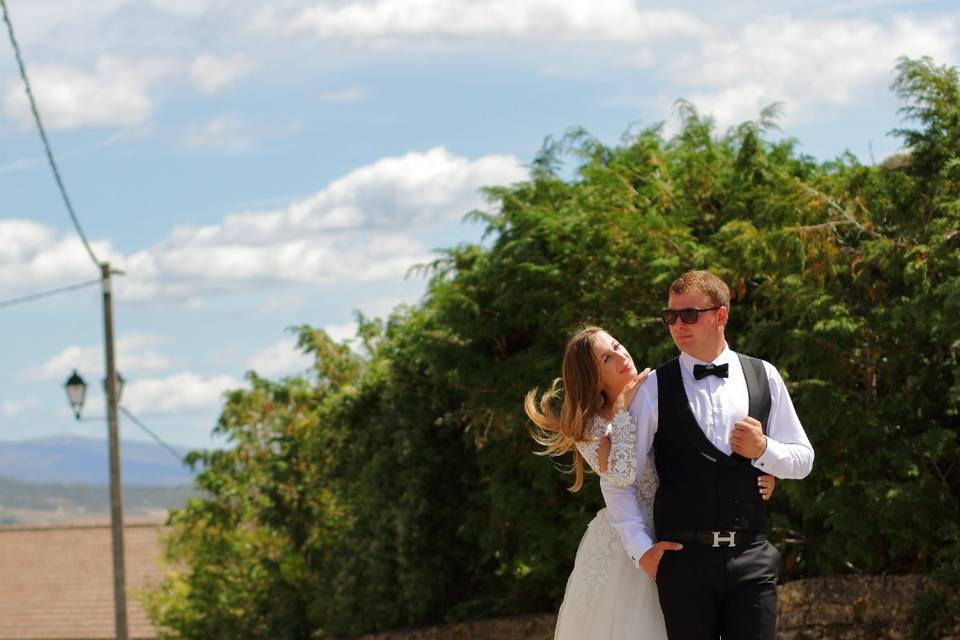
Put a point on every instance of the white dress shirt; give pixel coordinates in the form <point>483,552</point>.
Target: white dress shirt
<point>717,404</point>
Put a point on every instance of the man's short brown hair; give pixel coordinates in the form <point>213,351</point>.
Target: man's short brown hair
<point>704,282</point>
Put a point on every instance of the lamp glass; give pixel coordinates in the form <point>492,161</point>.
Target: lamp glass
<point>76,392</point>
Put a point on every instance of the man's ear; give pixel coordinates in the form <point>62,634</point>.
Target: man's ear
<point>723,314</point>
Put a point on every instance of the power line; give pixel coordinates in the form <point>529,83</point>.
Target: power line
<point>43,134</point>
<point>153,435</point>
<point>46,294</point>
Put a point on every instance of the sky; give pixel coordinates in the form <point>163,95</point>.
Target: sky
<point>253,165</point>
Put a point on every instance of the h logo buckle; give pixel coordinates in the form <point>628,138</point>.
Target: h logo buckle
<point>729,539</point>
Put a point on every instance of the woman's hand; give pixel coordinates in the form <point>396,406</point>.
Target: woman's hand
<point>766,483</point>
<point>629,391</point>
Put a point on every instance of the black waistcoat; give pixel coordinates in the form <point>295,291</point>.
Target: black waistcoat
<point>701,487</point>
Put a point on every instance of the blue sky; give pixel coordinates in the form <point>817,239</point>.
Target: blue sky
<point>254,165</point>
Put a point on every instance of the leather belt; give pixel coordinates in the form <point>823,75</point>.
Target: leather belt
<point>713,538</point>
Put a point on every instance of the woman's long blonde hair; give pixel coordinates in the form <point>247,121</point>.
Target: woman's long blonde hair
<point>582,398</point>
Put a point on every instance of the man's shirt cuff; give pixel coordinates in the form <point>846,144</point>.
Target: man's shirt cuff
<point>767,462</point>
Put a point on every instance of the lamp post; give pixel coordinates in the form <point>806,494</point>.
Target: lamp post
<point>113,430</point>
<point>120,382</point>
<point>112,383</point>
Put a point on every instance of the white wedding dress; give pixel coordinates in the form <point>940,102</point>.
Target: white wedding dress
<point>608,597</point>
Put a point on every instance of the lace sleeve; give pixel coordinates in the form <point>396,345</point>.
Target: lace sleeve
<point>622,463</point>
<point>590,449</point>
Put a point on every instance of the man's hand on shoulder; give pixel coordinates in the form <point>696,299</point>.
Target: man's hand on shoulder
<point>650,561</point>
<point>747,438</point>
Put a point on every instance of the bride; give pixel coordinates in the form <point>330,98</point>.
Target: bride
<point>607,596</point>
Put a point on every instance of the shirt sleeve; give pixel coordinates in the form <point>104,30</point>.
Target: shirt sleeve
<point>623,510</point>
<point>789,453</point>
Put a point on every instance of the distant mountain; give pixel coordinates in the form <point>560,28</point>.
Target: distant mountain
<point>50,503</point>
<point>72,459</point>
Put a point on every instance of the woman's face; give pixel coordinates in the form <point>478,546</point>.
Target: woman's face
<point>616,365</point>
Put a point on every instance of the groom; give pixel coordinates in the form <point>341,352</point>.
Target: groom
<point>715,421</point>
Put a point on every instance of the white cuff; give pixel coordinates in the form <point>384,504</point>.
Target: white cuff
<point>767,461</point>
<point>638,547</point>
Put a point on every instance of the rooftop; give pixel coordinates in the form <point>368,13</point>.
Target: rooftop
<point>57,580</point>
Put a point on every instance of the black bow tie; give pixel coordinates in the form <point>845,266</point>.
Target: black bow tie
<point>701,371</point>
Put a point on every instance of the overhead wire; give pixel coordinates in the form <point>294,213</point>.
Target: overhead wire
<point>69,205</point>
<point>43,135</point>
<point>150,433</point>
<point>46,294</point>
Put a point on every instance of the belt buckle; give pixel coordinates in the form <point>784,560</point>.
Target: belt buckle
<point>729,539</point>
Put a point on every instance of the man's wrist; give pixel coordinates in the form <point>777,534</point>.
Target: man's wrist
<point>763,450</point>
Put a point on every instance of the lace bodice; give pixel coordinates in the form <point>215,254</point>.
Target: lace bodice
<point>622,461</point>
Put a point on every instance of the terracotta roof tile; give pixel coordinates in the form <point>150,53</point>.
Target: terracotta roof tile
<point>56,582</point>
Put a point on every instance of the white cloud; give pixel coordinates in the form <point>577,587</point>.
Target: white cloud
<point>198,266</point>
<point>386,21</point>
<point>135,352</point>
<point>414,190</point>
<point>33,255</point>
<point>342,332</point>
<point>115,93</point>
<point>212,73</point>
<point>360,228</point>
<point>279,359</point>
<point>726,66</point>
<point>19,237</point>
<point>804,63</point>
<point>177,393</point>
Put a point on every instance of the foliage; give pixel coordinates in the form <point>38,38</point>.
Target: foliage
<point>397,487</point>
<point>936,609</point>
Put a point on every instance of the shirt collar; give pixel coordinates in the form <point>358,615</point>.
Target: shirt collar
<point>687,361</point>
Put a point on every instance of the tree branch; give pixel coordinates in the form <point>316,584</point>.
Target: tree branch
<point>846,215</point>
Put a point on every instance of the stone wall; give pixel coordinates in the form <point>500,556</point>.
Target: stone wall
<point>529,627</point>
<point>837,608</point>
<point>847,608</point>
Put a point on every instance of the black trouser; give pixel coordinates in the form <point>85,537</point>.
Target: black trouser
<point>731,593</point>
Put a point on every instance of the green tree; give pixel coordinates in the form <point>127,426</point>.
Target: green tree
<point>398,487</point>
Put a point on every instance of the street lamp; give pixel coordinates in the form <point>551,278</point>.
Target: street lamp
<point>76,392</point>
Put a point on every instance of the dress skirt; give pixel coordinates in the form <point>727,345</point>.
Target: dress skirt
<point>607,596</point>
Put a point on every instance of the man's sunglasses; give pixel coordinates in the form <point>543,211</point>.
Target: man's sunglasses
<point>689,316</point>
